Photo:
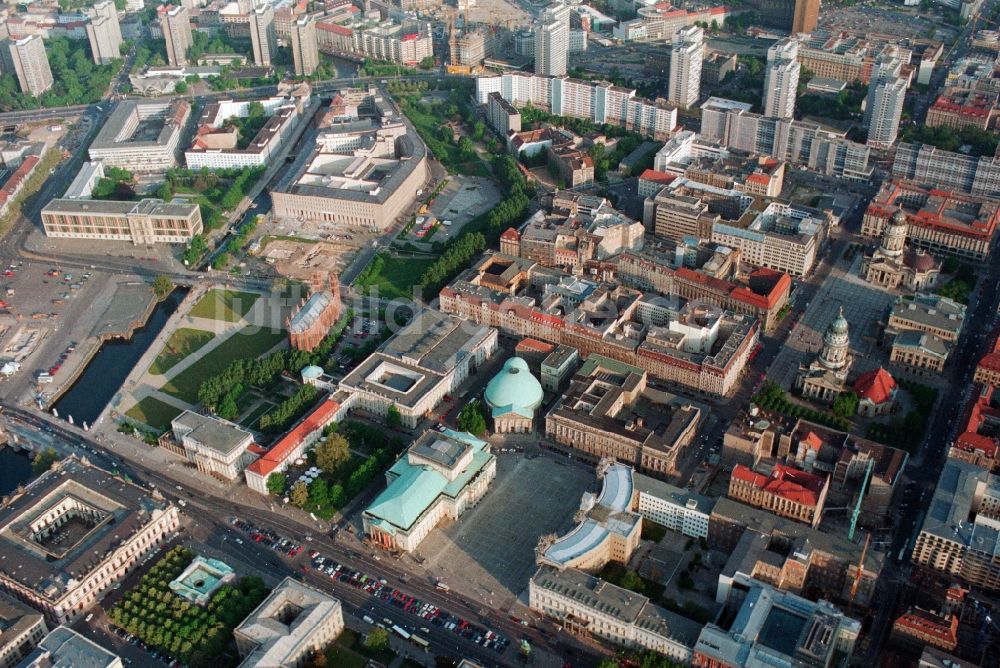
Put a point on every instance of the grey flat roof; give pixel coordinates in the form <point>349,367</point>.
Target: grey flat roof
<point>219,435</point>
<point>107,137</point>
<point>440,448</point>
<point>149,206</point>
<point>65,648</point>
<point>666,491</point>
<point>131,507</point>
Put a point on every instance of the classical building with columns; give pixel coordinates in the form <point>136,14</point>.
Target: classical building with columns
<point>443,474</point>
<point>826,376</point>
<point>74,533</point>
<point>893,265</point>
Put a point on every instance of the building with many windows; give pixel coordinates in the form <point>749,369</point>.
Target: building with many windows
<point>781,79</point>
<point>215,446</point>
<point>504,118</point>
<point>599,102</point>
<point>305,52</point>
<point>293,623</point>
<point>551,48</point>
<point>175,25</point>
<point>365,169</point>
<point>141,136</point>
<point>104,33</point>
<point>585,604</point>
<point>686,54</point>
<point>950,171</point>
<point>789,555</point>
<point>263,38</point>
<point>786,491</point>
<point>74,532</point>
<point>803,144</point>
<point>25,58</point>
<point>884,105</point>
<point>147,221</point>
<point>441,475</point>
<point>825,377</point>
<point>21,630</point>
<point>892,265</point>
<point>678,509</point>
<point>959,536</point>
<point>311,321</point>
<point>918,627</point>
<point>960,108</point>
<point>216,144</point>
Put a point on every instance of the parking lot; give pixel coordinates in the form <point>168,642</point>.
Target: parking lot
<point>461,200</point>
<point>489,553</point>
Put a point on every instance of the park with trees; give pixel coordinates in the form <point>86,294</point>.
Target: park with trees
<point>199,637</point>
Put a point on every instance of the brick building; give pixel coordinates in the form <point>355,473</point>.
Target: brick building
<point>316,315</point>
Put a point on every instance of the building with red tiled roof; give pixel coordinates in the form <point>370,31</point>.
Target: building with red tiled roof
<point>960,108</point>
<point>294,443</point>
<point>651,181</point>
<point>762,294</point>
<point>937,220</point>
<point>988,368</point>
<point>787,492</point>
<point>12,186</point>
<point>923,627</point>
<point>876,392</point>
<point>977,444</point>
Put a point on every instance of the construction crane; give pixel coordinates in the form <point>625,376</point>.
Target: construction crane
<point>859,572</point>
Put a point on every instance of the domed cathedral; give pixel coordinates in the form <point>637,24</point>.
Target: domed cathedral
<point>893,265</point>
<point>513,396</point>
<point>826,376</point>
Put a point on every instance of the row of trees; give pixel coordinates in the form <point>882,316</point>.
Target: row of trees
<point>289,410</point>
<point>771,397</point>
<point>981,142</point>
<point>221,392</point>
<point>472,419</point>
<point>200,637</point>
<point>485,230</point>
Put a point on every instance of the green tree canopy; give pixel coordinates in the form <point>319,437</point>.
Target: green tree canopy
<point>377,640</point>
<point>471,418</point>
<point>276,483</point>
<point>332,453</point>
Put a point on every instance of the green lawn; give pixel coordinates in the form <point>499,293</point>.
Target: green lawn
<point>227,305</point>
<point>248,343</point>
<point>153,412</point>
<point>398,276</point>
<point>181,343</point>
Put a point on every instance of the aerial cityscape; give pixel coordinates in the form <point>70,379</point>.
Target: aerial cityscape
<point>481,333</point>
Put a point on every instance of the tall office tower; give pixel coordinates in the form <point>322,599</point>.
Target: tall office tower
<point>781,79</point>
<point>105,46</point>
<point>26,59</point>
<point>551,47</point>
<point>176,28</point>
<point>884,104</point>
<point>305,52</point>
<point>262,35</point>
<point>806,16</point>
<point>685,66</point>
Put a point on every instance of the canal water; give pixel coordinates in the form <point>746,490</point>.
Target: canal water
<point>15,468</point>
<point>108,369</point>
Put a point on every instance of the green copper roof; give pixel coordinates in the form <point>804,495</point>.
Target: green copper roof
<point>514,389</point>
<point>415,488</point>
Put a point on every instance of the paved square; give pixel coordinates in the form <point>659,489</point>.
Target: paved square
<point>489,554</point>
<point>864,305</point>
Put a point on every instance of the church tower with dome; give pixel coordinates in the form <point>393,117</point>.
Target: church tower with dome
<point>826,376</point>
<point>893,265</point>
